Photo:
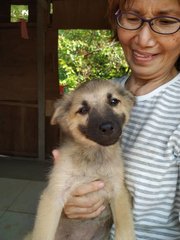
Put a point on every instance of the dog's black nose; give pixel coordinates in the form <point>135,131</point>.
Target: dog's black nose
<point>106,127</point>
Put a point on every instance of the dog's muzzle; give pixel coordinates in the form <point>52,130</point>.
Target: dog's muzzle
<point>104,129</point>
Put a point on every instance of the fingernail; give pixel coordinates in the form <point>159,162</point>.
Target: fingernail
<point>101,185</point>
<point>102,208</point>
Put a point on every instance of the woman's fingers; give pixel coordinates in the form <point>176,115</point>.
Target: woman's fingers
<point>84,215</point>
<point>92,209</point>
<point>82,204</point>
<point>88,188</point>
<point>56,155</point>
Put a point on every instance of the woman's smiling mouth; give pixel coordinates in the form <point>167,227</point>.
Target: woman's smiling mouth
<point>143,56</point>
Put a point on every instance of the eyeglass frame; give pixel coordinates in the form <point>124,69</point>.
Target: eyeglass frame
<point>144,20</point>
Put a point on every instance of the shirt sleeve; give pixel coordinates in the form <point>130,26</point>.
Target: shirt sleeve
<point>178,191</point>
<point>174,144</point>
<point>175,150</point>
<point>177,144</point>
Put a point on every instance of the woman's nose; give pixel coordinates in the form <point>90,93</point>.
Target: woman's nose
<point>145,37</point>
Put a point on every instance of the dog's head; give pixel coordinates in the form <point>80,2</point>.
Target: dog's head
<point>95,112</point>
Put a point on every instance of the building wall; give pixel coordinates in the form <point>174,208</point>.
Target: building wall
<point>18,91</point>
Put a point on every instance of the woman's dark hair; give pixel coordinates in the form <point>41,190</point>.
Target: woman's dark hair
<point>113,6</point>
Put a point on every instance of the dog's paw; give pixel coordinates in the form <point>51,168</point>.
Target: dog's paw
<point>28,236</point>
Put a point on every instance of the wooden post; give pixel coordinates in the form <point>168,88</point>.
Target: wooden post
<point>41,77</point>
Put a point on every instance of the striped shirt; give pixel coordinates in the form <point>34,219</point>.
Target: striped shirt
<point>151,149</point>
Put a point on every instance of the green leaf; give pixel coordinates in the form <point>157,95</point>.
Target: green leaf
<point>88,54</point>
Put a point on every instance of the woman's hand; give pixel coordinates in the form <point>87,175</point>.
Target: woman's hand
<point>81,204</point>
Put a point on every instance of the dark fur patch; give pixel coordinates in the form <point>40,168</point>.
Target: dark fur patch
<point>104,129</point>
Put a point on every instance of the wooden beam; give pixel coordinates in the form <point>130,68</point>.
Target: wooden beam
<point>43,4</point>
<point>82,14</point>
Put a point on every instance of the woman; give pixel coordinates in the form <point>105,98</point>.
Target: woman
<point>148,31</point>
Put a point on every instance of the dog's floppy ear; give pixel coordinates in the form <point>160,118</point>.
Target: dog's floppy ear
<point>130,97</point>
<point>57,112</point>
<point>61,107</point>
<point>122,91</point>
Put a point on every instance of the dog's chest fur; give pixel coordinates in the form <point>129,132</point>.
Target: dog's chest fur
<point>76,167</point>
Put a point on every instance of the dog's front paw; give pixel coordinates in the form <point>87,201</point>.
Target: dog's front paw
<point>28,236</point>
<point>126,236</point>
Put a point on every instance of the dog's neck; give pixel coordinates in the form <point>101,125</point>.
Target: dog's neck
<point>92,153</point>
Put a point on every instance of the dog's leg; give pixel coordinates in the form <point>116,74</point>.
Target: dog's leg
<point>48,215</point>
<point>123,220</point>
<point>28,236</point>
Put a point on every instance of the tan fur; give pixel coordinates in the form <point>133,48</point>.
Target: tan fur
<point>82,160</point>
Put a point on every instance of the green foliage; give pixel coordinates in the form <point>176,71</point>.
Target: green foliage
<point>19,12</point>
<point>88,54</point>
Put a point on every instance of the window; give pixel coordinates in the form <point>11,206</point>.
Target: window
<point>19,12</point>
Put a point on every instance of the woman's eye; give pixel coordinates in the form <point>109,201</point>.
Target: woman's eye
<point>133,19</point>
<point>166,21</point>
<point>114,102</point>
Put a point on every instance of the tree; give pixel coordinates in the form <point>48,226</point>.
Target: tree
<point>88,54</point>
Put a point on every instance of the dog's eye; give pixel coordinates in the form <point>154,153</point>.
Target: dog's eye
<point>113,102</point>
<point>83,110</point>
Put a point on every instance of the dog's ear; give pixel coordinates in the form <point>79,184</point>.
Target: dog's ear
<point>56,114</point>
<point>61,107</point>
<point>125,93</point>
<point>129,97</point>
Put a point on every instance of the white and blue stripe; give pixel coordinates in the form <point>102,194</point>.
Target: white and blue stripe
<point>151,148</point>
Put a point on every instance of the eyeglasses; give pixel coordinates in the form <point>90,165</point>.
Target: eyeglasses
<point>161,24</point>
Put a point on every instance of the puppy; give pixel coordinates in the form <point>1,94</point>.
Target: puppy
<point>92,118</point>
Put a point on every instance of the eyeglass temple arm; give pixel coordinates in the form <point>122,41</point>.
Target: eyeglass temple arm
<point>117,12</point>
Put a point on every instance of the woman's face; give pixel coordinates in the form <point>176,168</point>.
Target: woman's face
<point>151,55</point>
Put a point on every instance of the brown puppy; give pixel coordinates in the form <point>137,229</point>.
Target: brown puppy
<point>92,118</point>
